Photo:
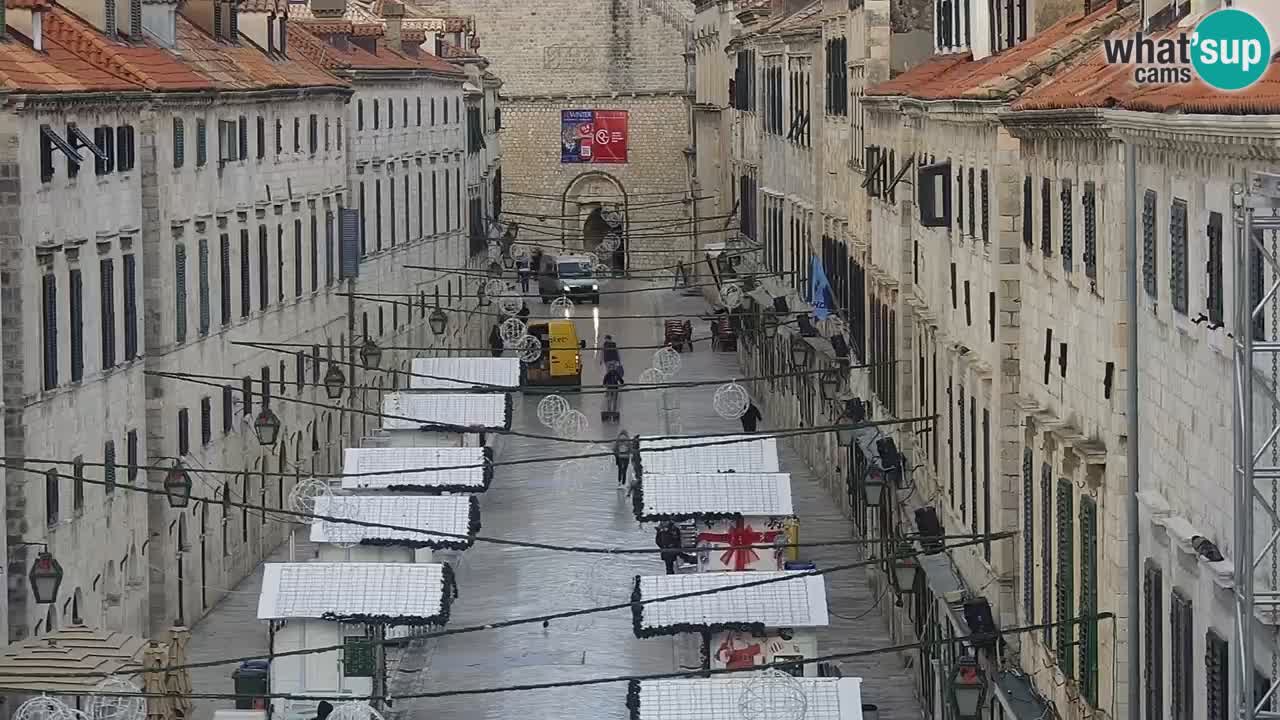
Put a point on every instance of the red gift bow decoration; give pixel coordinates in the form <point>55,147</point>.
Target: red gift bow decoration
<point>739,535</point>
<point>737,658</point>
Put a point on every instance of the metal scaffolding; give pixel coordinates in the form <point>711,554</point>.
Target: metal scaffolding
<point>1256,224</point>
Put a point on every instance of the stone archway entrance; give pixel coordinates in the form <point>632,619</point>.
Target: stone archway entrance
<point>593,206</point>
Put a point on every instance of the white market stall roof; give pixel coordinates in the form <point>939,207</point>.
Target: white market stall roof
<point>797,602</point>
<point>463,412</point>
<point>456,516</point>
<point>720,698</point>
<point>746,453</point>
<point>691,496</point>
<point>470,469</point>
<point>391,593</point>
<point>465,373</point>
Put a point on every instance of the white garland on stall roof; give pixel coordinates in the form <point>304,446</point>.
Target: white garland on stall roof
<point>551,408</point>
<point>302,497</point>
<point>122,701</point>
<point>731,401</point>
<point>773,695</point>
<point>511,330</point>
<point>667,362</point>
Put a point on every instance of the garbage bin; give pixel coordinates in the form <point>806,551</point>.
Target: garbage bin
<point>253,683</point>
<point>870,712</point>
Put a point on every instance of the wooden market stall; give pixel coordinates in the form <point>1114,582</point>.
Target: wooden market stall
<point>444,419</point>
<point>716,454</point>
<point>722,698</point>
<point>417,469</point>
<point>321,604</point>
<point>740,628</point>
<point>478,374</point>
<point>722,510</point>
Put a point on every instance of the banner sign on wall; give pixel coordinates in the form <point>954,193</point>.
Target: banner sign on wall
<point>593,136</point>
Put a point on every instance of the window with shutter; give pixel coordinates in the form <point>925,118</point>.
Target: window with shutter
<point>180,291</point>
<point>202,140</point>
<point>1088,202</point>
<point>179,143</point>
<point>315,250</point>
<point>391,208</point>
<point>1068,230</point>
<point>130,308</point>
<point>1064,640</point>
<point>1256,285</point>
<point>246,394</point>
<point>1089,600</point>
<point>1028,234</point>
<point>109,468</point>
<point>262,137</point>
<point>228,408</point>
<point>246,301</point>
<point>313,133</point>
<point>1046,551</point>
<point>986,484</point>
<point>242,137</point>
<point>264,269</point>
<point>985,208</point>
<point>297,258</point>
<point>202,267</point>
<point>184,437</point>
<point>377,209</point>
<point>973,205</point>
<point>279,136</point>
<point>224,277</point>
<point>961,454</point>
<point>77,486</point>
<point>1149,243</point>
<point>76,322</point>
<point>1216,664</point>
<point>107,293</point>
<point>280,262</point>
<point>1046,217</point>
<point>1214,269</point>
<point>408,233</point>
<point>968,306</point>
<point>1178,255</point>
<point>52,491</point>
<point>951,441</point>
<point>328,247</point>
<point>1181,635</point>
<point>1028,535</point>
<point>206,420</point>
<point>297,134</point>
<point>1153,641</point>
<point>300,370</point>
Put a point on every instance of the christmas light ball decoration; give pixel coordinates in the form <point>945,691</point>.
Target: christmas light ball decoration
<point>650,377</point>
<point>495,288</point>
<point>495,251</point>
<point>667,362</point>
<point>529,348</point>
<point>611,242</point>
<point>731,401</point>
<point>731,296</point>
<point>572,425</point>
<point>43,708</point>
<point>338,508</point>
<point>773,695</point>
<point>302,498</point>
<point>119,700</point>
<point>511,330</point>
<point>551,408</point>
<point>602,271</point>
<point>562,306</point>
<point>510,302</point>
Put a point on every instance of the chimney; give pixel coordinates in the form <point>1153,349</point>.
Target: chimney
<point>393,14</point>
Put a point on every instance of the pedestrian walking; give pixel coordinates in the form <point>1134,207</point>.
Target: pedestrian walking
<point>522,268</point>
<point>622,456</point>
<point>668,539</point>
<point>609,352</point>
<point>524,313</point>
<point>750,418</point>
<point>612,381</point>
<point>495,341</point>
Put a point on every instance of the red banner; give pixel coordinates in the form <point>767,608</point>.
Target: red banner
<point>610,142</point>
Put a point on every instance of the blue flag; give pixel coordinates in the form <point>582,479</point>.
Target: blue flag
<point>819,291</point>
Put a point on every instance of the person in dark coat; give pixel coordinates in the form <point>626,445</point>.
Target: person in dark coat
<point>609,352</point>
<point>495,341</point>
<point>524,313</point>
<point>612,381</point>
<point>750,418</point>
<point>522,268</point>
<point>622,456</point>
<point>324,710</point>
<point>668,539</point>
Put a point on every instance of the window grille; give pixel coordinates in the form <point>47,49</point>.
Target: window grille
<point>1216,665</point>
<point>1089,600</point>
<point>1028,535</point>
<point>1068,230</point>
<point>1046,217</point>
<point>1149,243</point>
<point>180,292</point>
<point>1178,283</point>
<point>1214,269</point>
<point>107,290</point>
<point>1181,634</point>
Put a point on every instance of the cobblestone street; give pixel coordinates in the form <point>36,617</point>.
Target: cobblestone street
<point>536,502</point>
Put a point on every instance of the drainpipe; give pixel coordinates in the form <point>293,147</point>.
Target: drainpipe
<point>1131,501</point>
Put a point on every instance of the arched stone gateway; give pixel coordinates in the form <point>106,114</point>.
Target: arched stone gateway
<point>594,205</point>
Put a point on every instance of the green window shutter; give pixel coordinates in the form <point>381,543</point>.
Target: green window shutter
<point>1153,641</point>
<point>1028,536</point>
<point>1089,600</point>
<point>1216,666</point>
<point>1046,551</point>
<point>1065,631</point>
<point>357,657</point>
<point>1180,660</point>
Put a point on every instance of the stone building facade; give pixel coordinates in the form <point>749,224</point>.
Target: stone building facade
<point>623,55</point>
<point>234,137</point>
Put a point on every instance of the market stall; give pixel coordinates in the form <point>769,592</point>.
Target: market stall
<point>444,419</point>
<point>456,517</point>
<point>716,454</point>
<point>478,374</point>
<point>417,469</point>
<point>733,698</point>
<point>739,628</point>
<point>722,510</point>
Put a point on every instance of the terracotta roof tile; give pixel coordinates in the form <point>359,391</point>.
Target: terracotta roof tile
<point>152,67</point>
<point>244,66</point>
<point>413,35</point>
<point>367,29</point>
<point>1094,83</point>
<point>26,4</point>
<point>57,69</point>
<point>1007,74</point>
<point>354,57</point>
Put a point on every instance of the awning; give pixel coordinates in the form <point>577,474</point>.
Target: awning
<point>713,454</point>
<point>799,601</point>
<point>418,469</point>
<point>357,592</point>
<point>492,374</point>
<point>691,496</point>
<point>721,698</point>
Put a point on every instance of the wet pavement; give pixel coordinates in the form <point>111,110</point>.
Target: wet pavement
<point>577,505</point>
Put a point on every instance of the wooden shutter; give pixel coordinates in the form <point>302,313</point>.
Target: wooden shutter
<point>202,269</point>
<point>1149,243</point>
<point>1046,551</point>
<point>1065,557</point>
<point>180,290</point>
<point>1028,236</point>
<point>76,313</point>
<point>107,294</point>
<point>49,319</point>
<point>1178,290</point>
<point>1089,600</point>
<point>1028,536</point>
<point>1067,246</point>
<point>1216,665</point>
<point>130,308</point>
<point>1180,662</point>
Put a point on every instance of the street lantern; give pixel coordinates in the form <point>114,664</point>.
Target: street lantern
<point>873,486</point>
<point>829,382</point>
<point>177,486</point>
<point>770,323</point>
<point>482,297</point>
<point>45,577</point>
<point>905,566</point>
<point>801,352</point>
<point>438,321</point>
<point>968,688</point>
<point>370,353</point>
<point>267,427</point>
<point>508,262</point>
<point>334,380</point>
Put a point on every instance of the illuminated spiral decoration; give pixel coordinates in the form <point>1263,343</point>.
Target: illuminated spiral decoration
<point>529,349</point>
<point>731,401</point>
<point>44,708</point>
<point>120,700</point>
<point>773,695</point>
<point>562,306</point>
<point>611,242</point>
<point>302,498</point>
<point>731,296</point>
<point>572,425</point>
<point>667,362</point>
<point>511,330</point>
<point>551,408</point>
<point>496,288</point>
